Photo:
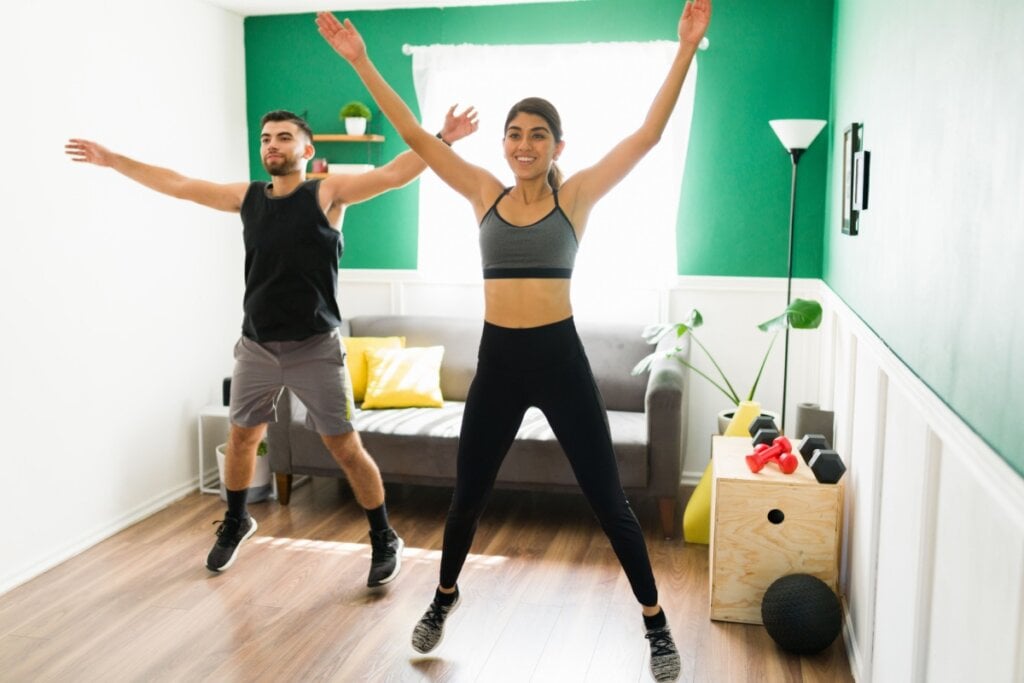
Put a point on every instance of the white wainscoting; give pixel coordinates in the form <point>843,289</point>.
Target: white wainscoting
<point>933,554</point>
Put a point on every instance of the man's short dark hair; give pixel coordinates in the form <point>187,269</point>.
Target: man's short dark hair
<point>285,115</point>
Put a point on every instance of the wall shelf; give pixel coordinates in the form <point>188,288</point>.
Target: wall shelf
<point>341,137</point>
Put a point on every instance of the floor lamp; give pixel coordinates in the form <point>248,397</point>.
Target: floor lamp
<point>796,136</point>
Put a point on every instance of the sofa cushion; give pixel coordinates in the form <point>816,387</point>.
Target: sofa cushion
<point>460,338</point>
<point>404,378</point>
<point>355,358</point>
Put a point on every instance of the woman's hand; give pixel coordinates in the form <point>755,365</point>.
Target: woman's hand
<point>694,22</point>
<point>344,38</point>
<point>458,126</point>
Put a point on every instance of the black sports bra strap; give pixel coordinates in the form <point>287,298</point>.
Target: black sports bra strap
<point>494,206</point>
<point>555,193</point>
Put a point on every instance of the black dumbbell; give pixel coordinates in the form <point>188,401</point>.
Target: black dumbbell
<point>811,443</point>
<point>763,430</point>
<point>825,463</point>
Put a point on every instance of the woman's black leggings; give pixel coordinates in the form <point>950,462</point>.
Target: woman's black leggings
<point>544,367</point>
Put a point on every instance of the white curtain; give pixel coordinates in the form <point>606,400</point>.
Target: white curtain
<point>602,92</point>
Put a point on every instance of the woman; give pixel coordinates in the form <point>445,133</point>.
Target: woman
<point>530,353</point>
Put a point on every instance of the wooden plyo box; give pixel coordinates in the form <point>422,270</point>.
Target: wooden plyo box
<point>765,526</point>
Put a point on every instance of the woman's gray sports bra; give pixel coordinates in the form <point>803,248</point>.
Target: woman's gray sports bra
<point>545,249</point>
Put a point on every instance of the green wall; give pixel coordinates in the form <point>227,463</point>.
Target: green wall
<point>766,61</point>
<point>936,270</point>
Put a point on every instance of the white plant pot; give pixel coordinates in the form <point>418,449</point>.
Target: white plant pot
<point>262,483</point>
<point>355,125</point>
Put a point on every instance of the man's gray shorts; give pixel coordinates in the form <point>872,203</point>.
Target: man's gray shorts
<point>314,369</point>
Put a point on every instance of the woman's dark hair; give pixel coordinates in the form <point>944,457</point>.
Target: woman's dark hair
<point>544,109</point>
<point>285,115</point>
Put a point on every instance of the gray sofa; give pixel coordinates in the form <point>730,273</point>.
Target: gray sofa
<point>647,416</point>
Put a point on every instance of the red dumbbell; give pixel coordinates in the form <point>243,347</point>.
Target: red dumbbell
<point>781,451</point>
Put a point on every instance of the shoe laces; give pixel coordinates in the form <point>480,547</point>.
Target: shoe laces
<point>661,642</point>
<point>381,542</point>
<point>229,527</point>
<point>435,614</point>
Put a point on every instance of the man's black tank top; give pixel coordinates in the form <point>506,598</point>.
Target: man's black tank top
<point>291,265</point>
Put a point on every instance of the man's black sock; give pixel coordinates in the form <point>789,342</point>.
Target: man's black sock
<point>236,503</point>
<point>378,518</point>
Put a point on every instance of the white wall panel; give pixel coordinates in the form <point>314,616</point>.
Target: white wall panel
<point>979,556</point>
<point>360,297</point>
<point>863,458</point>
<point>900,524</point>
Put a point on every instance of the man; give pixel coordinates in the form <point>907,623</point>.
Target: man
<point>290,336</point>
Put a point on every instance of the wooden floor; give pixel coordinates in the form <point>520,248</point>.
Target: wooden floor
<point>544,599</point>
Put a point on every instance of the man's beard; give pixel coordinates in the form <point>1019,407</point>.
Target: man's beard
<point>279,167</point>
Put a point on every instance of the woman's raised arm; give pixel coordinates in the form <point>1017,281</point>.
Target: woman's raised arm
<point>589,185</point>
<point>465,178</point>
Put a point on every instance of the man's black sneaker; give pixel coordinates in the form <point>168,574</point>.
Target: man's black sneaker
<point>386,561</point>
<point>230,534</point>
<point>430,628</point>
<point>664,655</point>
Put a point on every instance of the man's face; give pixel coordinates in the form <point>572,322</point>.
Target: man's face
<point>284,148</point>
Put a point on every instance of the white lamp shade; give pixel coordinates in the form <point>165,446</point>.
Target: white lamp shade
<point>797,133</point>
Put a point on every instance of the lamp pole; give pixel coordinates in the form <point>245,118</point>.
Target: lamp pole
<point>794,154</point>
<point>796,135</point>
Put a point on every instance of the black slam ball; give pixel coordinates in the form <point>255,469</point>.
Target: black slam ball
<point>801,614</point>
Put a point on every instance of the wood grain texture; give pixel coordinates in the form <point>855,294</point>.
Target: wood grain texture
<point>544,599</point>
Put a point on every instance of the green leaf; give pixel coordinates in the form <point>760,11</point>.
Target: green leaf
<point>653,334</point>
<point>801,314</point>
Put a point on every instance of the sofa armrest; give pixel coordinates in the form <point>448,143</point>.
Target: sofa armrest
<point>279,443</point>
<point>665,404</point>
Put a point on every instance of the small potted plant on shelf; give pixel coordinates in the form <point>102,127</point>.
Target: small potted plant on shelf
<point>356,115</point>
<point>801,314</point>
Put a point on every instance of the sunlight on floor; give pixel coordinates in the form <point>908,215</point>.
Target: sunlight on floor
<point>345,548</point>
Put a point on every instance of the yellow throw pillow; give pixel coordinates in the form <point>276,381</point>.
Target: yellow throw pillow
<point>404,378</point>
<point>355,358</point>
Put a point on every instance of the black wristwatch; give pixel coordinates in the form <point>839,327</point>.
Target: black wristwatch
<point>438,136</point>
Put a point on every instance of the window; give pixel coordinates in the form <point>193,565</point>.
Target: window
<point>602,92</point>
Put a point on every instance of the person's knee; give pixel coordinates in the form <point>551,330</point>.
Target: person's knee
<point>246,438</point>
<point>614,513</point>
<point>347,450</point>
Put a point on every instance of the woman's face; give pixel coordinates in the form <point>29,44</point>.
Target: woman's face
<point>530,147</point>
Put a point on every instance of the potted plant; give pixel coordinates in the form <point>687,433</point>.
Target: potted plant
<point>801,314</point>
<point>261,486</point>
<point>356,115</point>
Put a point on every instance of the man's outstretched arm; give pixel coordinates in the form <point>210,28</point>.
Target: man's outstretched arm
<point>400,171</point>
<point>225,197</point>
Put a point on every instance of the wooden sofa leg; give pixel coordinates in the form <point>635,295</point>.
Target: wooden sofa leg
<point>667,512</point>
<point>284,488</point>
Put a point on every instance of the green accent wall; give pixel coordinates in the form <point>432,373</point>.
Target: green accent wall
<point>936,270</point>
<point>766,61</point>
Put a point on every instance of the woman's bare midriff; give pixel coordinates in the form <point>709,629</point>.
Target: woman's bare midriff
<point>527,302</point>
